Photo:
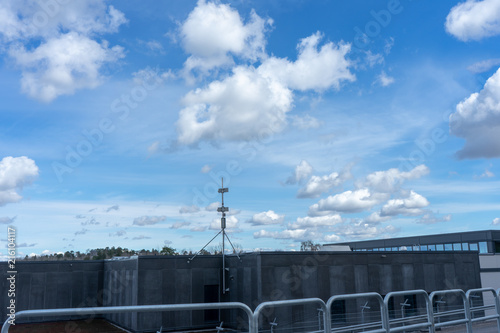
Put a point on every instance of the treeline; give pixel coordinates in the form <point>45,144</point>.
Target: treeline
<point>113,252</point>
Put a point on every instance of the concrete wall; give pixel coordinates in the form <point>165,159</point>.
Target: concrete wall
<point>256,278</point>
<point>56,284</point>
<point>279,276</point>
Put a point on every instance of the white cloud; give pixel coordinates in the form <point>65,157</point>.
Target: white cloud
<point>189,209</point>
<point>114,207</point>
<point>321,184</point>
<point>231,223</point>
<point>297,234</point>
<point>411,205</point>
<point>23,19</point>
<point>385,80</point>
<point>148,220</point>
<point>484,66</point>
<point>305,122</point>
<point>213,206</point>
<point>375,218</point>
<point>15,173</point>
<point>313,69</point>
<point>252,102</point>
<point>66,57</point>
<point>474,20</point>
<point>431,218</point>
<point>206,168</point>
<point>496,221</point>
<point>361,230</point>
<point>213,31</point>
<point>243,106</point>
<point>347,202</point>
<point>373,59</point>
<point>62,65</point>
<point>390,180</point>
<point>316,221</point>
<point>302,171</point>
<point>267,218</point>
<point>477,120</point>
<point>7,220</point>
<point>179,225</point>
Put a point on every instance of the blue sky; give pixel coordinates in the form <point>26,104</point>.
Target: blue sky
<point>329,121</point>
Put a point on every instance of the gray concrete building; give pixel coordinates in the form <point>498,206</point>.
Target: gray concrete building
<point>252,279</point>
<point>486,243</point>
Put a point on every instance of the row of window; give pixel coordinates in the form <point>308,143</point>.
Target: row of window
<point>482,247</point>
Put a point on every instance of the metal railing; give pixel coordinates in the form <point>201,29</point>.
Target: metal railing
<point>388,325</point>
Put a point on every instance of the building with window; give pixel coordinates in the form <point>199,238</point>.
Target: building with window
<point>486,242</point>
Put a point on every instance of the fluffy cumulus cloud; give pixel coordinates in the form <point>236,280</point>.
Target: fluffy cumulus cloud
<point>243,106</point>
<point>314,69</point>
<point>213,31</point>
<point>347,202</point>
<point>302,171</point>
<point>297,234</point>
<point>477,120</point>
<point>390,180</point>
<point>267,218</point>
<point>15,173</point>
<point>496,221</point>
<point>474,20</point>
<point>231,223</point>
<point>318,185</point>
<point>54,43</point>
<point>363,230</point>
<point>249,102</point>
<point>62,65</point>
<point>316,221</point>
<point>411,205</point>
<point>148,220</point>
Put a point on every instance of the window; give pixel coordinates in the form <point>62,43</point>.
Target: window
<point>483,247</point>
<point>439,247</point>
<point>465,246</point>
<point>448,247</point>
<point>423,248</point>
<point>457,247</point>
<point>432,247</point>
<point>409,248</point>
<point>395,249</point>
<point>388,249</point>
<point>473,247</point>
<point>497,247</point>
<point>416,248</point>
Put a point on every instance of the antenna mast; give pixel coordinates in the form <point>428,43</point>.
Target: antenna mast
<point>222,209</point>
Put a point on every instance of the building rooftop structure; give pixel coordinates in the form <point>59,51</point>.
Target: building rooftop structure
<point>485,242</point>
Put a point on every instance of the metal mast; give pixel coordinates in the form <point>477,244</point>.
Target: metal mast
<point>222,209</point>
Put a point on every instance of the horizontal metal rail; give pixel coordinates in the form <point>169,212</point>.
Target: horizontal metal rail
<point>496,306</point>
<point>379,299</point>
<point>466,310</point>
<point>134,308</point>
<point>327,322</point>
<point>428,324</point>
<point>388,325</point>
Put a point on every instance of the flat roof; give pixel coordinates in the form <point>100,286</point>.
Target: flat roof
<point>456,237</point>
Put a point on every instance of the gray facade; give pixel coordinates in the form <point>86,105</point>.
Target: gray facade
<point>256,278</point>
<point>485,241</point>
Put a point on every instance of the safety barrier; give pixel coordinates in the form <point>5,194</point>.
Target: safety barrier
<point>388,325</point>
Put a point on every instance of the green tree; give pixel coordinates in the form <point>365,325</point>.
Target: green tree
<point>168,251</point>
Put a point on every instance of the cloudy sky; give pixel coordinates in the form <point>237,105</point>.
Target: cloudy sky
<point>329,121</point>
